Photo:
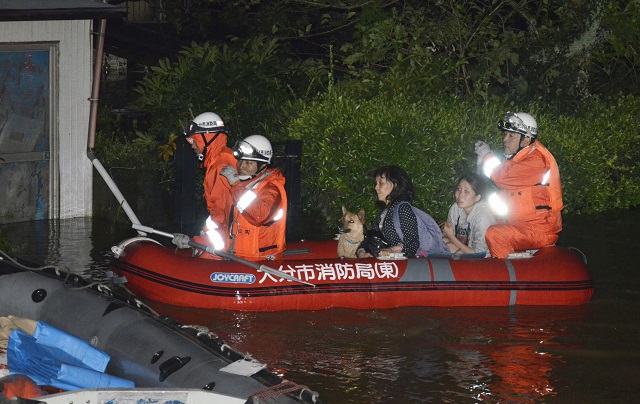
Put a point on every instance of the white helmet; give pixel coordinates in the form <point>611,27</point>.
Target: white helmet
<point>206,122</point>
<point>254,147</point>
<point>519,122</point>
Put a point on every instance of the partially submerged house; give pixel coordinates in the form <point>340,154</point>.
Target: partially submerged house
<point>47,59</point>
<point>46,69</point>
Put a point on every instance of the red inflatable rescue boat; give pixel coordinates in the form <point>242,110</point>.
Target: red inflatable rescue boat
<point>550,276</point>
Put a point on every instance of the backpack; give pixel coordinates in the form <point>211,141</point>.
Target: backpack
<point>428,231</point>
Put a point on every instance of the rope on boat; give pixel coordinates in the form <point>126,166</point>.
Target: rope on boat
<point>16,263</point>
<point>66,275</point>
<point>204,332</point>
<point>283,388</point>
<point>59,272</point>
<point>201,331</point>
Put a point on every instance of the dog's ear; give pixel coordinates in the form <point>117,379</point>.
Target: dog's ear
<point>361,215</point>
<point>344,210</point>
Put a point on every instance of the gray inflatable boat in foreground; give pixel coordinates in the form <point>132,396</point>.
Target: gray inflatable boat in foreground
<point>158,354</point>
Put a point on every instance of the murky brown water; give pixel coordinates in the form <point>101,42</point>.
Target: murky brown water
<point>586,354</point>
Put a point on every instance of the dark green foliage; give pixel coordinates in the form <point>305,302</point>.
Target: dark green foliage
<point>250,85</point>
<point>411,83</point>
<point>347,137</point>
<point>5,244</point>
<point>598,152</point>
<point>562,52</point>
<point>518,50</point>
<point>131,148</point>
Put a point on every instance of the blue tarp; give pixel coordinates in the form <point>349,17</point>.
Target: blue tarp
<point>52,357</point>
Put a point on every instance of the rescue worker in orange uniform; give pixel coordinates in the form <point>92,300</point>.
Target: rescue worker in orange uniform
<point>207,136</point>
<point>258,213</point>
<point>530,198</point>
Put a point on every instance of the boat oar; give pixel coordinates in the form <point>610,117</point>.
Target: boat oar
<point>182,239</point>
<point>114,189</point>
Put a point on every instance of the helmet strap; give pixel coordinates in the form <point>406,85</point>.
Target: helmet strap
<point>206,144</point>
<point>520,144</point>
<point>261,167</point>
<point>520,147</point>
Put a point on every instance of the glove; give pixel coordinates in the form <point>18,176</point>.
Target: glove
<point>230,173</point>
<point>181,240</point>
<point>481,149</point>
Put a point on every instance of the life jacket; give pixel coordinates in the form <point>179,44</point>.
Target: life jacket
<point>265,239</point>
<point>544,196</point>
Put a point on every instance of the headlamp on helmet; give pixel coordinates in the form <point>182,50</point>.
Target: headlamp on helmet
<point>519,122</point>
<point>255,147</point>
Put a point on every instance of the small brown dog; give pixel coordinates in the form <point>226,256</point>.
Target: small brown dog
<point>352,231</point>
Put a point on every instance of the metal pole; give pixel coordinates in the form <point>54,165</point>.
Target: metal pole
<point>95,90</point>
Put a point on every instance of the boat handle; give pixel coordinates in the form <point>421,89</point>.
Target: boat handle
<point>171,365</point>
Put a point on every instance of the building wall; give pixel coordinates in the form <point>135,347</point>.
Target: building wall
<point>72,170</point>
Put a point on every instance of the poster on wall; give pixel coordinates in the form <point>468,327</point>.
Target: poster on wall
<point>24,134</point>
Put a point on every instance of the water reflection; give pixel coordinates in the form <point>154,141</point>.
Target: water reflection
<point>66,243</point>
<point>415,354</point>
<point>80,245</point>
<point>525,354</point>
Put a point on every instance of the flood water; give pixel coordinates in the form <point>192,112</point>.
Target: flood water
<point>585,354</point>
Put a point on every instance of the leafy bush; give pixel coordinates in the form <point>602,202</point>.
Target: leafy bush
<point>132,148</point>
<point>518,50</point>
<point>346,137</point>
<point>250,85</point>
<point>409,97</point>
<point>598,152</point>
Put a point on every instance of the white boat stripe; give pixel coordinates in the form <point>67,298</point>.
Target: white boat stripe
<point>512,278</point>
<point>442,270</point>
<point>419,271</point>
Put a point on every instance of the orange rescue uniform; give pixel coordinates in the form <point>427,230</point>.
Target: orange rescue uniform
<point>216,187</point>
<point>530,187</point>
<point>258,217</point>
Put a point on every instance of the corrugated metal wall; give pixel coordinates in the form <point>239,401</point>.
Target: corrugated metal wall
<point>71,170</point>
